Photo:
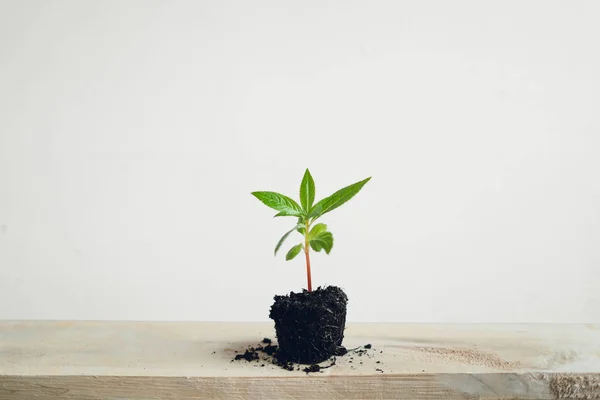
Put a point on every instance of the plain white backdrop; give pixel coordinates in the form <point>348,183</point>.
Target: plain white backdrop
<point>132,133</point>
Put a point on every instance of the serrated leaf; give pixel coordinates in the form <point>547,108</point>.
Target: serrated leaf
<point>285,214</point>
<point>293,252</point>
<point>323,241</point>
<point>316,211</point>
<point>340,197</point>
<point>285,237</point>
<point>279,202</point>
<point>317,230</point>
<point>307,191</point>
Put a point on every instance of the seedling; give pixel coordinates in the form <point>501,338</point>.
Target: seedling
<point>315,236</point>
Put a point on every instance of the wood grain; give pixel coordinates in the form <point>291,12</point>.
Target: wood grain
<point>170,360</point>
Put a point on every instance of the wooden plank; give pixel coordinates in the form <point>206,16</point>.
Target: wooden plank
<point>187,360</point>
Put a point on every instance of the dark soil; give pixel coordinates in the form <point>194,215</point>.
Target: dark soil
<point>312,368</point>
<point>249,355</point>
<point>341,351</point>
<point>310,329</point>
<point>270,349</point>
<point>310,325</point>
<point>259,355</point>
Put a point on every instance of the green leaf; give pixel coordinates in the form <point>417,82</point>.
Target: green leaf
<point>315,245</point>
<point>307,191</point>
<point>317,230</point>
<point>286,235</point>
<point>302,228</point>
<point>285,214</point>
<point>340,197</point>
<point>316,211</point>
<point>279,202</point>
<point>323,241</point>
<point>294,251</point>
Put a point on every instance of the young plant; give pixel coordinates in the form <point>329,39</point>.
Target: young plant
<point>315,236</point>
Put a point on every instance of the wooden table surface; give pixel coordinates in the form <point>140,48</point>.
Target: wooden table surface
<point>189,360</point>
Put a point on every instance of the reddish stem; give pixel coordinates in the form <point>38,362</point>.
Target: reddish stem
<point>306,253</point>
<point>308,278</point>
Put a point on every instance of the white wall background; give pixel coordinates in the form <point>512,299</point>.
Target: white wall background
<point>132,132</point>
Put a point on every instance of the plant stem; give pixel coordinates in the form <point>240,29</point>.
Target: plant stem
<point>308,268</point>
<point>306,251</point>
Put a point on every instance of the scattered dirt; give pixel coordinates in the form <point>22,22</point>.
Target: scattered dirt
<point>270,354</point>
<point>468,356</point>
<point>310,330</point>
<point>319,368</point>
<point>270,349</point>
<point>341,351</point>
<point>312,368</point>
<point>361,352</point>
<point>249,355</point>
<point>310,325</point>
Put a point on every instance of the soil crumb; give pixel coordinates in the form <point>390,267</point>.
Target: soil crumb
<point>269,354</point>
<point>361,352</point>
<point>341,351</point>
<point>266,353</point>
<point>270,349</point>
<point>249,355</point>
<point>320,368</point>
<point>312,368</point>
<point>471,357</point>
